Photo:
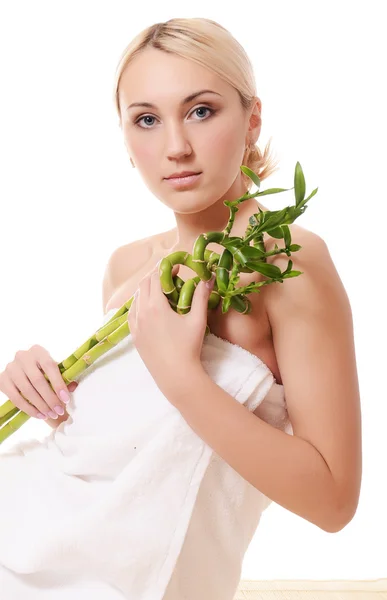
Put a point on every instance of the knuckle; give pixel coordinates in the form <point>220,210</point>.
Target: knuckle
<point>35,379</point>
<point>55,376</point>
<point>23,404</point>
<point>50,374</point>
<point>11,369</point>
<point>46,362</point>
<point>57,382</point>
<point>26,391</point>
<point>46,397</point>
<point>36,347</point>
<point>35,402</point>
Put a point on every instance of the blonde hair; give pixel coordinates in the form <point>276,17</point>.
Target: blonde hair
<point>209,44</point>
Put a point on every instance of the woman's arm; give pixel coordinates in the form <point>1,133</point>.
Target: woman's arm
<point>313,338</point>
<point>315,473</point>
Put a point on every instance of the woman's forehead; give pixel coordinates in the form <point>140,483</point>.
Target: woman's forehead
<point>150,78</point>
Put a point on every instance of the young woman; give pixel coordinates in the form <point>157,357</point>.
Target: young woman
<point>186,100</point>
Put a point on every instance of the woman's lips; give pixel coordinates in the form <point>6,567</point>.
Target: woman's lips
<point>182,182</point>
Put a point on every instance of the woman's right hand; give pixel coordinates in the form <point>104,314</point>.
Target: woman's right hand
<point>23,379</point>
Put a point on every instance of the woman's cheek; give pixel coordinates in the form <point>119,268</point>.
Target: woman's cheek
<point>226,138</point>
<point>145,154</point>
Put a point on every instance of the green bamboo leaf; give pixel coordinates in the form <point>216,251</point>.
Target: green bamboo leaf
<point>233,250</point>
<point>257,242</point>
<point>266,269</point>
<point>287,235</point>
<point>274,218</point>
<point>253,176</point>
<point>293,213</point>
<point>276,233</point>
<point>250,253</point>
<point>233,244</point>
<point>301,205</point>
<point>292,274</point>
<point>273,191</point>
<point>299,184</point>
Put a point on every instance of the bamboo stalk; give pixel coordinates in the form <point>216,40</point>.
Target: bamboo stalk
<point>238,256</point>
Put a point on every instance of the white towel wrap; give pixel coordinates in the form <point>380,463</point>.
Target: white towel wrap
<point>125,500</point>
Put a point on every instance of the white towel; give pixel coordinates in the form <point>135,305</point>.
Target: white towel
<point>101,508</point>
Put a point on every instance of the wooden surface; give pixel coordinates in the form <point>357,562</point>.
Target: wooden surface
<point>373,589</point>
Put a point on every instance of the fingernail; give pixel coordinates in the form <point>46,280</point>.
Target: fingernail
<point>40,416</point>
<point>59,410</point>
<point>52,415</point>
<point>64,396</point>
<point>210,283</point>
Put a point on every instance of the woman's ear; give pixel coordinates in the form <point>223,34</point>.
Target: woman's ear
<point>255,122</point>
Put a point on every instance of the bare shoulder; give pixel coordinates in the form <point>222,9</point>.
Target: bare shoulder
<point>316,297</point>
<point>122,263</point>
<point>312,259</point>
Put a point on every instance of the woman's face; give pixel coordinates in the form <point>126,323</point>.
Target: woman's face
<point>207,133</point>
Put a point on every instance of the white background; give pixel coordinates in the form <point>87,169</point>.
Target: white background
<point>69,197</point>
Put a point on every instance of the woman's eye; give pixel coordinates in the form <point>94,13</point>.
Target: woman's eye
<point>211,111</point>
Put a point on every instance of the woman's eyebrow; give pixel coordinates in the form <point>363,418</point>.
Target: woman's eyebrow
<point>185,101</point>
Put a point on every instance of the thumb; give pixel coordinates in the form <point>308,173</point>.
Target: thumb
<point>201,295</point>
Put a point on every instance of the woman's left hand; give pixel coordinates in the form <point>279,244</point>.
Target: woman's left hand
<point>169,344</point>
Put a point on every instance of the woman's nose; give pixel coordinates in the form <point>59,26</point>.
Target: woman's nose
<point>178,147</point>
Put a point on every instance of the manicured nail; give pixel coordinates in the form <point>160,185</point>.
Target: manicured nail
<point>210,283</point>
<point>59,410</point>
<point>40,416</point>
<point>52,415</point>
<point>64,396</point>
